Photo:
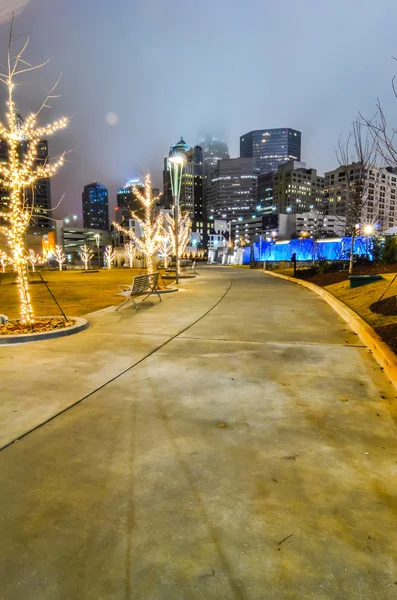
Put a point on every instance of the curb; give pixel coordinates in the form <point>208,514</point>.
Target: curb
<point>80,325</point>
<point>385,358</point>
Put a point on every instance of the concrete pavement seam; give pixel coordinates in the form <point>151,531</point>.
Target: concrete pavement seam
<point>385,358</point>
<point>61,412</point>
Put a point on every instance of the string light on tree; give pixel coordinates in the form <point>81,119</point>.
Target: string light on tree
<point>130,250</point>
<point>148,243</point>
<point>21,170</point>
<point>59,256</point>
<point>184,229</point>
<point>86,253</point>
<point>165,249</point>
<point>4,260</point>
<point>109,256</point>
<point>33,259</point>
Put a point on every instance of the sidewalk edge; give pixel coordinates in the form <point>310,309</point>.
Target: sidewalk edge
<point>381,352</point>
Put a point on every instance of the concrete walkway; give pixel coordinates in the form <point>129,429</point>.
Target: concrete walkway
<point>137,492</point>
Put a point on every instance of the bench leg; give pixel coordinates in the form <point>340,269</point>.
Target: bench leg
<point>121,305</point>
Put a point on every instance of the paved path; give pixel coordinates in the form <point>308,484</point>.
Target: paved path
<point>137,493</point>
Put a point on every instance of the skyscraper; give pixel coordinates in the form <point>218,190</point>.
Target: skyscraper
<point>191,198</point>
<point>271,147</point>
<point>233,191</point>
<point>127,201</point>
<point>95,206</point>
<point>39,196</point>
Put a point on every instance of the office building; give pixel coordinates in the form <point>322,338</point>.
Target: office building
<point>39,195</point>
<point>233,191</point>
<point>265,203</point>
<point>191,196</point>
<point>213,150</point>
<point>271,147</point>
<point>127,201</point>
<point>379,199</point>
<point>95,206</point>
<point>297,189</point>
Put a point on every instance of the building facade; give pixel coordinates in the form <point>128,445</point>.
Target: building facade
<point>265,193</point>
<point>39,196</point>
<point>379,195</point>
<point>271,147</point>
<point>127,201</point>
<point>95,206</point>
<point>233,191</point>
<point>297,189</point>
<point>192,191</point>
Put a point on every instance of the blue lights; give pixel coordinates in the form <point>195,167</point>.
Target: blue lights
<point>308,249</point>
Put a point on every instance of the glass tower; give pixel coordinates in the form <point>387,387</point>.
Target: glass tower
<point>96,207</point>
<point>271,147</point>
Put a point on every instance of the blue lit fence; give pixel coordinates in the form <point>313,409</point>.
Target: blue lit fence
<point>308,249</point>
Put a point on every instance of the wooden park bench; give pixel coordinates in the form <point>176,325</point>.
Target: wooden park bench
<point>186,267</point>
<point>141,285</point>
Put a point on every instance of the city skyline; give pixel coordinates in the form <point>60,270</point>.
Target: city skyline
<point>129,125</point>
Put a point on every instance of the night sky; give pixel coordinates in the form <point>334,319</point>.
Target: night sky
<point>167,69</point>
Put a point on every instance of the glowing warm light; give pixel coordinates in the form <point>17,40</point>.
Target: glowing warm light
<point>4,260</point>
<point>86,253</point>
<point>34,259</point>
<point>368,229</point>
<point>149,242</point>
<point>130,250</point>
<point>59,256</point>
<point>165,249</point>
<point>21,171</point>
<point>184,229</point>
<point>109,256</point>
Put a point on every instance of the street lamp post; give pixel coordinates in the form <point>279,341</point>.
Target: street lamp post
<point>97,246</point>
<point>175,165</point>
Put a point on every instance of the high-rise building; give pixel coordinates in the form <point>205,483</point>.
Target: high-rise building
<point>265,193</point>
<point>191,196</point>
<point>127,201</point>
<point>297,189</point>
<point>39,196</point>
<point>95,206</point>
<point>233,191</point>
<point>213,150</point>
<point>379,200</point>
<point>271,147</point>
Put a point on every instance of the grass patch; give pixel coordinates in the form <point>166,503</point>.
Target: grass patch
<point>77,292</point>
<point>361,298</point>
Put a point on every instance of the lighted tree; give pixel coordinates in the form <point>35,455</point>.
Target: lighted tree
<point>184,229</point>
<point>4,260</point>
<point>33,259</point>
<point>130,250</point>
<point>109,256</point>
<point>165,249</point>
<point>86,253</point>
<point>148,243</point>
<point>22,169</point>
<point>59,256</point>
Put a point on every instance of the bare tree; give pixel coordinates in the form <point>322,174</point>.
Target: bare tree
<point>22,169</point>
<point>357,155</point>
<point>382,134</point>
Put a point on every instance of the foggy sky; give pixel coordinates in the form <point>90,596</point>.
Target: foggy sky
<point>185,67</point>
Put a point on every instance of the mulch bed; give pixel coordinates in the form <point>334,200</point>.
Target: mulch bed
<point>337,276</point>
<point>387,307</point>
<point>40,326</point>
<point>388,333</point>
